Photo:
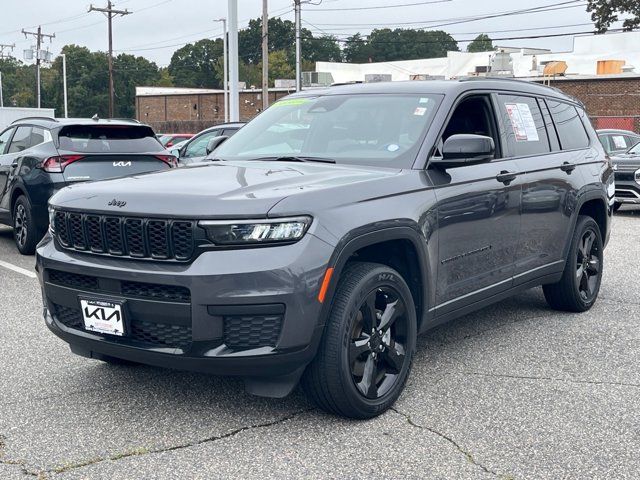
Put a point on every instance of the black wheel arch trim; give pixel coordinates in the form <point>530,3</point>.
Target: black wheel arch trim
<point>584,197</point>
<point>372,235</point>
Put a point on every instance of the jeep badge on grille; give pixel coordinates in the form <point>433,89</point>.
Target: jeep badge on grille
<point>117,203</point>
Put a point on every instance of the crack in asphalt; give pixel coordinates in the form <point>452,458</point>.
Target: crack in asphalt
<point>550,379</point>
<point>470,458</point>
<point>22,464</point>
<point>145,451</point>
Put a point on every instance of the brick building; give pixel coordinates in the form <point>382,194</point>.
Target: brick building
<point>612,101</point>
<point>189,110</point>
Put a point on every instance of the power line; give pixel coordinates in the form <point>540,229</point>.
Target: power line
<point>456,20</point>
<point>377,7</point>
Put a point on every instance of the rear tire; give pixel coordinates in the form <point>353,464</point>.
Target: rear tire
<point>578,288</point>
<point>368,345</point>
<point>25,232</point>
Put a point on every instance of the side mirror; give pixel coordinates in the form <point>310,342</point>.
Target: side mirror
<point>215,142</point>
<point>175,152</point>
<point>466,149</point>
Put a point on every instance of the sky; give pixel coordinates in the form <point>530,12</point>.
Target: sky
<point>156,28</point>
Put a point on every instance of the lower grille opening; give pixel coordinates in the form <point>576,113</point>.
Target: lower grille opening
<point>67,279</point>
<point>154,334</point>
<point>155,291</point>
<point>253,331</point>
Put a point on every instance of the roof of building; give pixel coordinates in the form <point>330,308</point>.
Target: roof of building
<point>169,91</point>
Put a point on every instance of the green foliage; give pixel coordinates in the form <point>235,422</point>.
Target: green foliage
<point>482,43</point>
<point>606,12</point>
<point>385,45</point>
<point>194,65</point>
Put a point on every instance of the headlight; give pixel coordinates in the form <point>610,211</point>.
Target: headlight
<point>245,232</point>
<point>637,176</point>
<point>52,219</point>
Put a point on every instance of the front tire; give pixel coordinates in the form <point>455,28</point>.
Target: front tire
<point>369,341</point>
<point>25,232</point>
<point>578,288</point>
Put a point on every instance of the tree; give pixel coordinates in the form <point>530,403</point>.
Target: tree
<point>482,43</point>
<point>194,65</point>
<point>357,49</point>
<point>130,72</point>
<point>279,66</point>
<point>606,12</point>
<point>385,45</point>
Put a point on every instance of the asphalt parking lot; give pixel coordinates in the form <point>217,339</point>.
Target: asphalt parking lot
<point>513,391</point>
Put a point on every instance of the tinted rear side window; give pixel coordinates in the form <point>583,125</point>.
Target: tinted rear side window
<point>108,139</point>
<point>524,125</point>
<point>569,126</point>
<point>21,140</point>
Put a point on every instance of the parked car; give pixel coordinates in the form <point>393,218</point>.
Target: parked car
<point>329,231</point>
<point>39,156</point>
<point>617,141</point>
<point>627,174</point>
<point>195,149</point>
<point>169,140</point>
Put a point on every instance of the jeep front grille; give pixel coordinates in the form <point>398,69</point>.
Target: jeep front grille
<point>158,239</point>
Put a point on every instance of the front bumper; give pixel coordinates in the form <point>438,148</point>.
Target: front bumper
<point>247,312</point>
<point>627,189</point>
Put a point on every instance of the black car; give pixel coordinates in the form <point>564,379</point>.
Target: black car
<point>627,174</point>
<point>328,232</point>
<point>39,156</point>
<point>198,147</point>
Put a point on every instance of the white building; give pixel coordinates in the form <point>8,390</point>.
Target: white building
<point>581,60</point>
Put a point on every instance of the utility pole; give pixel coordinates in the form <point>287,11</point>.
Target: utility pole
<point>265,55</point>
<point>225,85</point>
<point>39,36</point>
<point>234,95</point>
<point>298,46</point>
<point>110,12</point>
<point>64,84</point>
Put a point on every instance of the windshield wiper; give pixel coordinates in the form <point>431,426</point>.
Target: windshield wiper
<point>295,158</point>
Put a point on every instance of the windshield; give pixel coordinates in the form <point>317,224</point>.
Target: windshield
<point>365,129</point>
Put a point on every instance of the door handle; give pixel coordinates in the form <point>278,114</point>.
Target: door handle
<point>568,167</point>
<point>506,177</point>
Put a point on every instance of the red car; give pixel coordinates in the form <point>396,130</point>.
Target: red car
<point>168,140</point>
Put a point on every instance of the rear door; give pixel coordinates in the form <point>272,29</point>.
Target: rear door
<point>98,152</point>
<point>551,179</point>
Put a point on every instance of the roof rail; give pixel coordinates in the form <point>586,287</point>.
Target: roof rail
<point>34,118</point>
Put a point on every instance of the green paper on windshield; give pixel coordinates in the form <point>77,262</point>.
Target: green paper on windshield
<point>292,101</point>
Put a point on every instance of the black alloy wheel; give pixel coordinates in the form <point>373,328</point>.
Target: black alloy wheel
<point>377,352</point>
<point>367,349</point>
<point>25,232</point>
<point>579,286</point>
<point>588,265</point>
<point>20,226</point>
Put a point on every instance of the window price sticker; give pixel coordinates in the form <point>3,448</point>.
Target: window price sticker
<point>524,127</point>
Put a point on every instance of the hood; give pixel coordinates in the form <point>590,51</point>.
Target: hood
<point>626,161</point>
<point>217,189</point>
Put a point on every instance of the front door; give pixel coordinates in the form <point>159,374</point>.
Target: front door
<point>5,169</point>
<point>478,208</point>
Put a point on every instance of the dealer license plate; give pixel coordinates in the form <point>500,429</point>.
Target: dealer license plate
<point>102,316</point>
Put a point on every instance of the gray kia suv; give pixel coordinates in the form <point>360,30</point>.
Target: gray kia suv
<point>318,241</point>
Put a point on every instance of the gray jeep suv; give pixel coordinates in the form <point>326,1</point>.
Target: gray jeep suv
<point>325,235</point>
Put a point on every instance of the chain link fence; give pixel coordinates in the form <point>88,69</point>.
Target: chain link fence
<point>631,122</point>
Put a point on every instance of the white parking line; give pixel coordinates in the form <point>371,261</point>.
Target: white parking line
<point>18,269</point>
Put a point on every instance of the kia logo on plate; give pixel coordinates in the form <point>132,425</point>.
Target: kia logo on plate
<point>122,164</point>
<point>117,203</point>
